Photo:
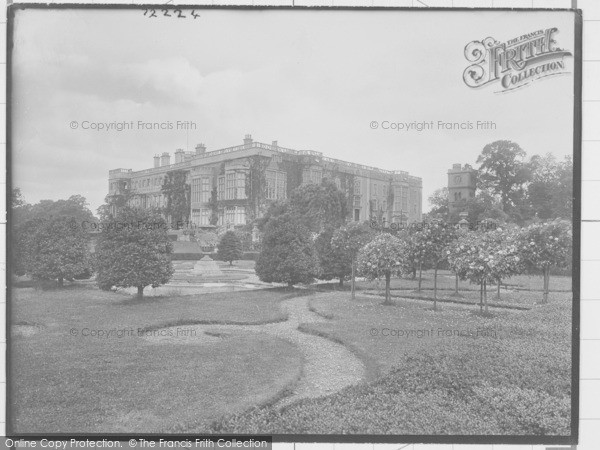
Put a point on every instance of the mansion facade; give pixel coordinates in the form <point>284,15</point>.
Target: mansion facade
<point>232,186</point>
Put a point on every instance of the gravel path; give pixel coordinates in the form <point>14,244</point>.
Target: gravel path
<point>328,366</point>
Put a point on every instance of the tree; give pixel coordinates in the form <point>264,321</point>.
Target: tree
<point>503,171</point>
<point>550,191</point>
<point>547,245</point>
<point>230,248</point>
<point>319,206</point>
<point>17,198</point>
<point>382,257</point>
<point>417,251</point>
<point>275,209</point>
<point>287,254</point>
<point>134,251</point>
<point>434,239</point>
<point>345,245</point>
<point>330,259</point>
<point>32,228</point>
<point>439,203</point>
<point>177,194</point>
<point>57,249</point>
<point>484,257</point>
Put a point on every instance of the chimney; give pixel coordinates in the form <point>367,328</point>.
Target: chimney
<point>179,155</point>
<point>165,159</point>
<point>156,161</point>
<point>200,149</point>
<point>248,140</point>
<point>456,166</point>
<point>274,144</point>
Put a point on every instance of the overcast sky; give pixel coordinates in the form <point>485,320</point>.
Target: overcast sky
<point>308,79</point>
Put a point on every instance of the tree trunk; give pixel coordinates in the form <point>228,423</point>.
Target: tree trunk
<point>140,294</point>
<point>290,284</point>
<point>388,300</point>
<point>546,284</point>
<point>498,293</point>
<point>353,277</point>
<point>414,273</point>
<point>481,297</point>
<point>485,296</point>
<point>60,281</point>
<point>420,275</point>
<point>435,270</point>
<point>456,284</point>
<point>341,281</point>
<point>231,263</point>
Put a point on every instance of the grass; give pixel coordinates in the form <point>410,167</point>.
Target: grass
<point>65,383</point>
<point>453,371</point>
<point>517,300</point>
<point>506,373</point>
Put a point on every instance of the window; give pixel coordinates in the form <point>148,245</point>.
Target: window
<point>356,187</point>
<point>397,198</point>
<point>201,216</point>
<point>196,190</point>
<point>240,184</point>
<point>205,192</point>
<point>276,185</point>
<point>311,176</point>
<point>235,215</point>
<point>230,186</point>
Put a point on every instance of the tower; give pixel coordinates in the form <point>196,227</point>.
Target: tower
<point>462,183</point>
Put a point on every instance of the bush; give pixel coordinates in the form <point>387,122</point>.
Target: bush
<point>230,248</point>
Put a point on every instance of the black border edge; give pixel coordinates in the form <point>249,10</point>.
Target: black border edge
<point>10,19</point>
<point>573,439</point>
<point>576,263</point>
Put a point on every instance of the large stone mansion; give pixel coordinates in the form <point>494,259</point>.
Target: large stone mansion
<point>232,186</point>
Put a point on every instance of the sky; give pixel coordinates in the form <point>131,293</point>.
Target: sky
<point>312,80</point>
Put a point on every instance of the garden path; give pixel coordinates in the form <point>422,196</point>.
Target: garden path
<point>328,366</point>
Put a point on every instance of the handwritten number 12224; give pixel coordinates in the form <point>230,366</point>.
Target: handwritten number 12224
<point>177,13</point>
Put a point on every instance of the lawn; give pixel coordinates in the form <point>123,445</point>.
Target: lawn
<point>62,382</point>
<point>447,372</point>
<point>453,371</point>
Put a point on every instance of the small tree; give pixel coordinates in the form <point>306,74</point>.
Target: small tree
<point>230,248</point>
<point>434,240</point>
<point>547,245</point>
<point>134,251</point>
<point>382,257</point>
<point>331,259</point>
<point>484,257</point>
<point>57,249</point>
<point>287,254</point>
<point>346,243</point>
<point>418,250</point>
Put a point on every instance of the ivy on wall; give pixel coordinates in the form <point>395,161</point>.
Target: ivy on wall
<point>256,187</point>
<point>177,194</point>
